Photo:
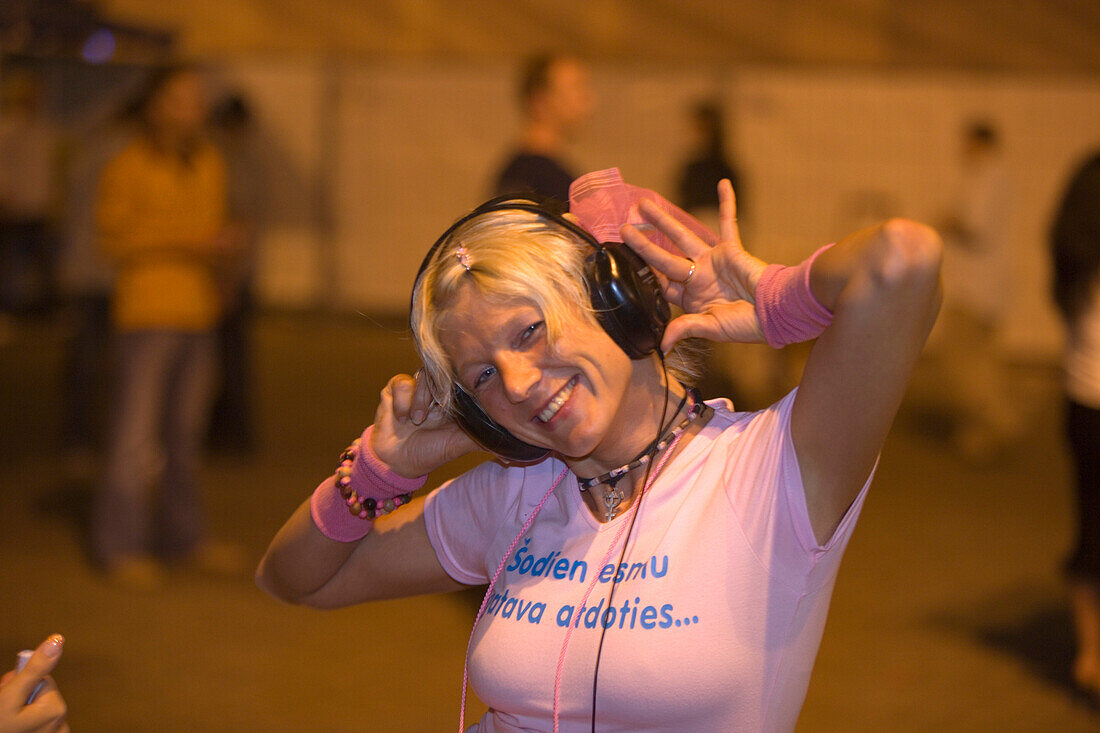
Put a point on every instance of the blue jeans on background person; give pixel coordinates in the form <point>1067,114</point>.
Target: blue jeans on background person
<point>164,384</point>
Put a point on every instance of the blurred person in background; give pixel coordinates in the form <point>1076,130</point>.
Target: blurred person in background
<point>977,279</point>
<point>556,100</point>
<point>29,196</point>
<point>232,426</point>
<point>708,162</point>
<point>1075,250</point>
<point>85,280</point>
<point>752,375</point>
<point>162,221</point>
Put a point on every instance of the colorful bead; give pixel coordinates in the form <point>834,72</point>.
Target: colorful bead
<point>362,507</point>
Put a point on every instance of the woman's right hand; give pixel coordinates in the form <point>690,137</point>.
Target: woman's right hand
<point>412,434</point>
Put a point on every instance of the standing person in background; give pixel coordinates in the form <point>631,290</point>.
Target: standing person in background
<point>708,163</point>
<point>85,282</point>
<point>977,277</point>
<point>231,423</point>
<point>29,195</point>
<point>556,98</point>
<point>752,375</point>
<point>1075,249</point>
<point>161,216</point>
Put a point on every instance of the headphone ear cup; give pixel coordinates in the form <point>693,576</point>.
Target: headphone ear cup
<point>489,434</point>
<point>627,299</point>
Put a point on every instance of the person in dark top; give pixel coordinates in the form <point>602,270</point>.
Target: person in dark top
<point>1075,254</point>
<point>708,162</point>
<point>556,98</point>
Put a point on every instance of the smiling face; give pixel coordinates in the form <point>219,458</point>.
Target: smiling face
<point>503,309</point>
<point>571,394</point>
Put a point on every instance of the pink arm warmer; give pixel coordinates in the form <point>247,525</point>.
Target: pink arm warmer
<point>785,306</point>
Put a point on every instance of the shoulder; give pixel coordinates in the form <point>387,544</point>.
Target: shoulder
<point>529,167</point>
<point>490,500</point>
<point>745,445</point>
<point>493,488</point>
<point>133,153</point>
<point>209,157</point>
<point>732,423</point>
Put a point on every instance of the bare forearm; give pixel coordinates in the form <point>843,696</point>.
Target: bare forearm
<point>300,560</point>
<point>395,559</point>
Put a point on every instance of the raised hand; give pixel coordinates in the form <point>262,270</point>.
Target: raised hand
<point>412,434</point>
<point>713,285</point>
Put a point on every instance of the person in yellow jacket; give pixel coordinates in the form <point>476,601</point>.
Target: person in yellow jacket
<point>161,218</point>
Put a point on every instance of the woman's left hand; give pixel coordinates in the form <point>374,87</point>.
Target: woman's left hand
<point>715,285</point>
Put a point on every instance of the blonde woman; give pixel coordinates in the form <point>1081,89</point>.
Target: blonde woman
<point>656,562</point>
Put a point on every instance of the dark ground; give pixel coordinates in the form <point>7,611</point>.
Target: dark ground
<point>948,615</point>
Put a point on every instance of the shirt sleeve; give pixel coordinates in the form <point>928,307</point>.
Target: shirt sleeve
<point>464,515</point>
<point>472,519</point>
<point>764,484</point>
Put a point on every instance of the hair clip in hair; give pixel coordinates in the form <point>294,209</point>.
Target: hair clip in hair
<point>463,257</point>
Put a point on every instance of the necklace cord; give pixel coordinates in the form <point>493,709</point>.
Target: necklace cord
<point>613,476</point>
<point>576,619</point>
<point>630,530</point>
<point>650,476</point>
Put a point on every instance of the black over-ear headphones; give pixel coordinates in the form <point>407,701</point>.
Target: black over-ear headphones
<point>626,298</point>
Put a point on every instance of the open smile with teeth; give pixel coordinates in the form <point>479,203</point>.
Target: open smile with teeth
<point>558,400</point>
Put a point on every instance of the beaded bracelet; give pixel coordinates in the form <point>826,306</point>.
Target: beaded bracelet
<point>365,489</point>
<point>362,507</point>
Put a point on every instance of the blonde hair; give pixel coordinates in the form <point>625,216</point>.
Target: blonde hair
<point>510,254</point>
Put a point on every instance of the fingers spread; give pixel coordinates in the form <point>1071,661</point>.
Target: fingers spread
<point>727,213</point>
<point>647,249</point>
<point>680,235</point>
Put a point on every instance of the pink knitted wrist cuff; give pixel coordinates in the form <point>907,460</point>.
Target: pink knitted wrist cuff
<point>330,513</point>
<point>785,306</point>
<point>371,478</point>
<point>368,480</point>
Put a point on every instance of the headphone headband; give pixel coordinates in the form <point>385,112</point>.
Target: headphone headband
<point>507,202</point>
<point>626,299</point>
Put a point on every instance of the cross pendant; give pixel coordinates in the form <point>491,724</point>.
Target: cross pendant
<point>612,497</point>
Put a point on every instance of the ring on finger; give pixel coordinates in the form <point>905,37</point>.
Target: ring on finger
<point>691,274</point>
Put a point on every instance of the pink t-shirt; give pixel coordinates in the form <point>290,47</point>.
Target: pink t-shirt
<point>720,606</point>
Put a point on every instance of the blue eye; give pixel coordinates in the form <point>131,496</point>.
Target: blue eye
<point>483,375</point>
<point>531,331</point>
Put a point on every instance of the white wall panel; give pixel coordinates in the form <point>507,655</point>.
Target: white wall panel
<point>404,148</point>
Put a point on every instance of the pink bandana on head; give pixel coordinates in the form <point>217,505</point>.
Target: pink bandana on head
<point>603,203</point>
